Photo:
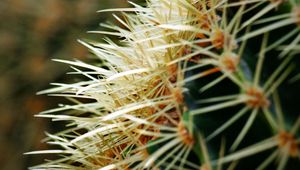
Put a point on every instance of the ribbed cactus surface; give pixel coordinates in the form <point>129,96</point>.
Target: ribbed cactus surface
<point>188,84</point>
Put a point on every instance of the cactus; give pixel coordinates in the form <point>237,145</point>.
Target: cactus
<point>190,84</point>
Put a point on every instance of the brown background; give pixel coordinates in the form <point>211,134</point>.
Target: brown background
<point>32,32</point>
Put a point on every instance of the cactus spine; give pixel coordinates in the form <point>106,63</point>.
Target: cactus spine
<point>192,84</point>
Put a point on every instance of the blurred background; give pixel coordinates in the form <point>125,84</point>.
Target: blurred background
<point>32,32</point>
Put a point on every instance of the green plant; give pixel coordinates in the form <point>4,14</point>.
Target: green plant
<point>192,84</point>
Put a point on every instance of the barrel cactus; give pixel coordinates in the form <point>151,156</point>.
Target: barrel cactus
<point>188,84</point>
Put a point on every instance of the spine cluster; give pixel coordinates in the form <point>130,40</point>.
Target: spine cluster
<point>189,85</point>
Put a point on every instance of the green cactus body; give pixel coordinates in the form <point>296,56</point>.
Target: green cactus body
<point>192,84</point>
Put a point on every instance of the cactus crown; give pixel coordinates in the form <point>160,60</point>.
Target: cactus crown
<point>192,84</point>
